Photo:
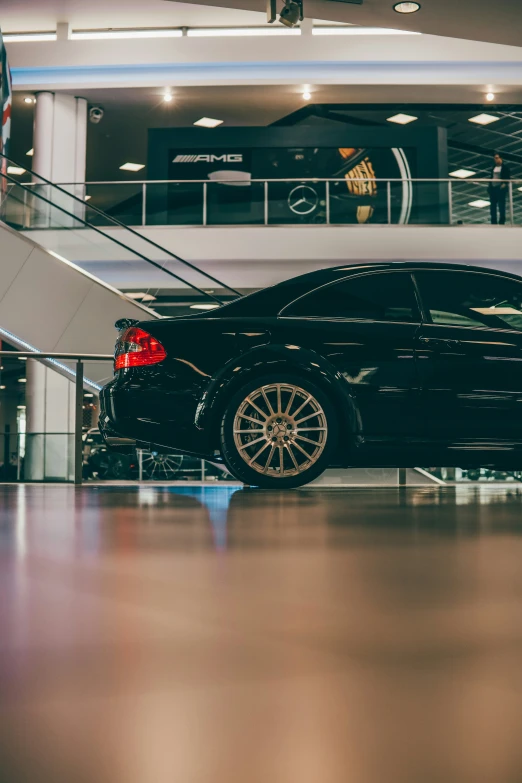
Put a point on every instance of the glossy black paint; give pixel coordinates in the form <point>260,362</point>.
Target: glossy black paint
<point>406,392</point>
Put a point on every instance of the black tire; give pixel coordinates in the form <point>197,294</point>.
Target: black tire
<point>321,451</point>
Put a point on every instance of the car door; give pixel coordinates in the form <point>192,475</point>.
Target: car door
<point>469,356</point>
<point>365,325</point>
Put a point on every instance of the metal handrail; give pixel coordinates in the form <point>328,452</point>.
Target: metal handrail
<point>280,179</point>
<point>118,223</point>
<point>85,357</point>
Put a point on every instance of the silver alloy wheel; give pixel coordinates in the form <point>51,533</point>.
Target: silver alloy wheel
<point>280,430</point>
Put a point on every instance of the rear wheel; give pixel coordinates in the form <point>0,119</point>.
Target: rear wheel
<point>278,433</point>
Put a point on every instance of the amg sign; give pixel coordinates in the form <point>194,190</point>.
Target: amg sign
<point>226,158</point>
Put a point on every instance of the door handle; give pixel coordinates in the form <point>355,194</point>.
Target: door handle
<point>439,342</point>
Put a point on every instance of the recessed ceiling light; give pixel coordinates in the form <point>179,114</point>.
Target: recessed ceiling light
<point>30,153</point>
<point>203,306</point>
<point>484,119</point>
<point>15,170</point>
<point>167,97</point>
<point>352,29</point>
<point>28,100</point>
<point>87,198</point>
<point>490,96</point>
<point>402,119</point>
<point>480,203</point>
<point>27,37</point>
<point>22,380</point>
<point>132,166</point>
<point>461,173</point>
<point>406,8</point>
<point>22,358</point>
<point>141,296</point>
<point>208,122</point>
<point>240,32</point>
<point>2,387</point>
<point>145,32</point>
<point>519,188</point>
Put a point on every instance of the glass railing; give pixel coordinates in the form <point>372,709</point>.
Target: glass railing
<point>294,202</point>
<point>49,457</point>
<point>93,239</point>
<point>472,475</point>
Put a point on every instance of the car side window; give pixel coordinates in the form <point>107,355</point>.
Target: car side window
<point>384,296</point>
<point>471,299</point>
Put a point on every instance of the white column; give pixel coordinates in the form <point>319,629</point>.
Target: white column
<point>60,148</point>
<point>50,424</point>
<point>43,135</point>
<point>60,137</point>
<point>81,140</point>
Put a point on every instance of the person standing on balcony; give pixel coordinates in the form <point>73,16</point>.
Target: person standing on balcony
<point>498,189</point>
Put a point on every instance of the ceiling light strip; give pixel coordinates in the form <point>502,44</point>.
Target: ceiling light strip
<point>202,32</point>
<point>29,37</point>
<point>240,32</point>
<point>355,30</point>
<point>104,35</point>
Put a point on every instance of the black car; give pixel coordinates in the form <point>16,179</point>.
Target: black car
<point>376,364</point>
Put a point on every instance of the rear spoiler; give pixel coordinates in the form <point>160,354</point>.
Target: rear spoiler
<point>125,323</point>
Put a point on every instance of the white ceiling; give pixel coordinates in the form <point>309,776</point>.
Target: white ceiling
<point>479,20</point>
<point>33,15</point>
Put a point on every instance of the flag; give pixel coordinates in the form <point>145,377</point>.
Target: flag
<point>6,95</point>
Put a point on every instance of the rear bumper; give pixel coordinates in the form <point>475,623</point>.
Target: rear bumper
<point>132,415</point>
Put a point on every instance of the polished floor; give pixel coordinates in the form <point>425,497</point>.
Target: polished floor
<point>217,635</point>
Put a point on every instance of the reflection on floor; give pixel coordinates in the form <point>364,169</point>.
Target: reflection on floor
<point>201,635</point>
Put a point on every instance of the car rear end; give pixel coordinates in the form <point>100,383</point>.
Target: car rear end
<point>152,398</point>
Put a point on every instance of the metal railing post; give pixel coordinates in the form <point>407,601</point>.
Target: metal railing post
<point>402,477</point>
<point>450,202</point>
<point>266,203</point>
<point>78,424</point>
<point>144,204</point>
<point>18,461</point>
<point>24,224</point>
<point>388,201</point>
<point>204,203</point>
<point>327,202</point>
<point>511,206</point>
<point>140,464</point>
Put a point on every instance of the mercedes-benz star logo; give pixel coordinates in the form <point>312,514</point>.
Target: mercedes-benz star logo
<point>302,200</point>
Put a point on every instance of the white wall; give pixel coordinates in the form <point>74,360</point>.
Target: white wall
<point>252,257</point>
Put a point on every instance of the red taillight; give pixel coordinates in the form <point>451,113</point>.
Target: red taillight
<point>137,348</point>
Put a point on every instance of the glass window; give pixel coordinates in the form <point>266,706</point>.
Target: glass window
<point>471,299</point>
<point>387,296</point>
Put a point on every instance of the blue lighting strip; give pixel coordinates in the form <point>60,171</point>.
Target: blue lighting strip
<point>28,347</point>
<point>298,71</point>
